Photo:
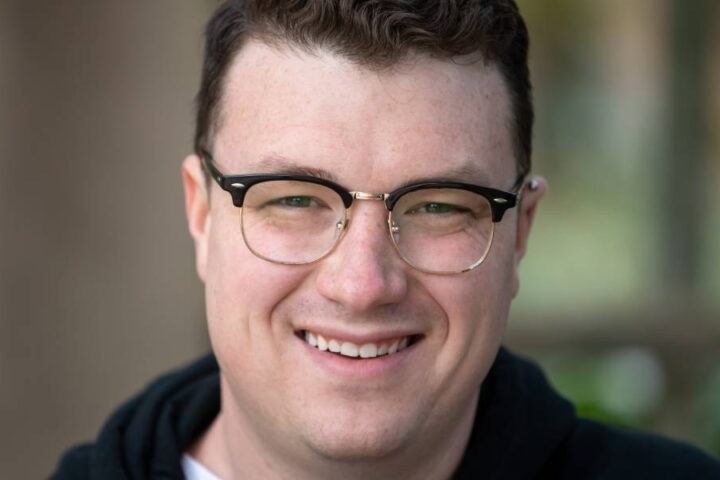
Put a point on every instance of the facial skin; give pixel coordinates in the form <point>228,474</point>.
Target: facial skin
<point>288,410</point>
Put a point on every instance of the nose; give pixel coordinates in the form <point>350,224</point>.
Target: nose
<point>364,271</point>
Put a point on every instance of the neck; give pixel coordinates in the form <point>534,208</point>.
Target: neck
<point>233,449</point>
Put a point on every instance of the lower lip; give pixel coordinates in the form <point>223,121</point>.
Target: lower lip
<point>360,368</point>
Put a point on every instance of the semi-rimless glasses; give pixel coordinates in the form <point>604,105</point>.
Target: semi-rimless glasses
<point>436,227</point>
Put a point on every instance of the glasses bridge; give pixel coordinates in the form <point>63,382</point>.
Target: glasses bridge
<point>369,196</point>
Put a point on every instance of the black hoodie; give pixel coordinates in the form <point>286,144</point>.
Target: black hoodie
<point>523,430</point>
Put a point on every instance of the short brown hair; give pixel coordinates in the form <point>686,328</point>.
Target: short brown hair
<point>376,34</point>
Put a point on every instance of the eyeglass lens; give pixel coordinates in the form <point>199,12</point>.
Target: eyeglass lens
<point>437,230</point>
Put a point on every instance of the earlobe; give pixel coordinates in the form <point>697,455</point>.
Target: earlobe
<point>533,192</point>
<point>197,209</point>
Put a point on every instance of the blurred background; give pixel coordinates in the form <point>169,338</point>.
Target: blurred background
<point>620,297</point>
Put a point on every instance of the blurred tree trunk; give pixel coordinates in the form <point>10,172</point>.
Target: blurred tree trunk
<point>684,166</point>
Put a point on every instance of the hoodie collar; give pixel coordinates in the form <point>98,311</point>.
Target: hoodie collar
<point>519,423</point>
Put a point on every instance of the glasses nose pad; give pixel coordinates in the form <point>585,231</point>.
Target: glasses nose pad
<point>340,227</point>
<point>394,230</point>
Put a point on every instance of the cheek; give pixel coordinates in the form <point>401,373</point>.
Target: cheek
<point>242,291</point>
<point>481,297</point>
<point>476,308</point>
<point>476,305</point>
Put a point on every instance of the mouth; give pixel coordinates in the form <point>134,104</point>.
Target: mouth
<point>366,350</point>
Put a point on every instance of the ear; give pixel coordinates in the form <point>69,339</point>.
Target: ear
<point>533,191</point>
<point>197,210</point>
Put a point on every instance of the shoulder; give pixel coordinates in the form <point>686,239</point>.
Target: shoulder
<point>525,429</point>
<point>146,436</point>
<point>599,451</point>
<point>75,464</point>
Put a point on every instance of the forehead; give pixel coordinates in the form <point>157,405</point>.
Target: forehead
<point>370,129</point>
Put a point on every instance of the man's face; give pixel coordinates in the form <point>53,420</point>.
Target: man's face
<point>372,132</point>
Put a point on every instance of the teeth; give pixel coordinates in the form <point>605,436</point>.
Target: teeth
<point>369,350</point>
<point>349,349</point>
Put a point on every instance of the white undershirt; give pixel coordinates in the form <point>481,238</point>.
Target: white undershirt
<point>195,470</point>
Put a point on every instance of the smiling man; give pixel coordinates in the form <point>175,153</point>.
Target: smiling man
<point>360,200</point>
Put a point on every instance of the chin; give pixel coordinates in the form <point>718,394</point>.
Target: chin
<point>354,438</point>
<point>361,445</point>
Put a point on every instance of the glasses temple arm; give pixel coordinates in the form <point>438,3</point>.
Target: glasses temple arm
<point>522,181</point>
<point>211,169</point>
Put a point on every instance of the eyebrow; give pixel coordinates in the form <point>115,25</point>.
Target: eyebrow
<point>466,173</point>
<point>285,165</point>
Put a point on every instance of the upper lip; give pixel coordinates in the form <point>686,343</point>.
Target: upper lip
<point>361,338</point>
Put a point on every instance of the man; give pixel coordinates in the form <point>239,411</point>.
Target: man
<point>360,200</point>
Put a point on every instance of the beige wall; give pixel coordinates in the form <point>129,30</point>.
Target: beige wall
<point>97,286</point>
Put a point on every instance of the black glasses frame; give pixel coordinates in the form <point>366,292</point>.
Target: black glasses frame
<point>238,185</point>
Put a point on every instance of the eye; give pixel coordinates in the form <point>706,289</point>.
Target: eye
<point>297,201</point>
<point>437,208</point>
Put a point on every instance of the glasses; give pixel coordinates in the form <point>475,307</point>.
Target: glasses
<point>436,227</point>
